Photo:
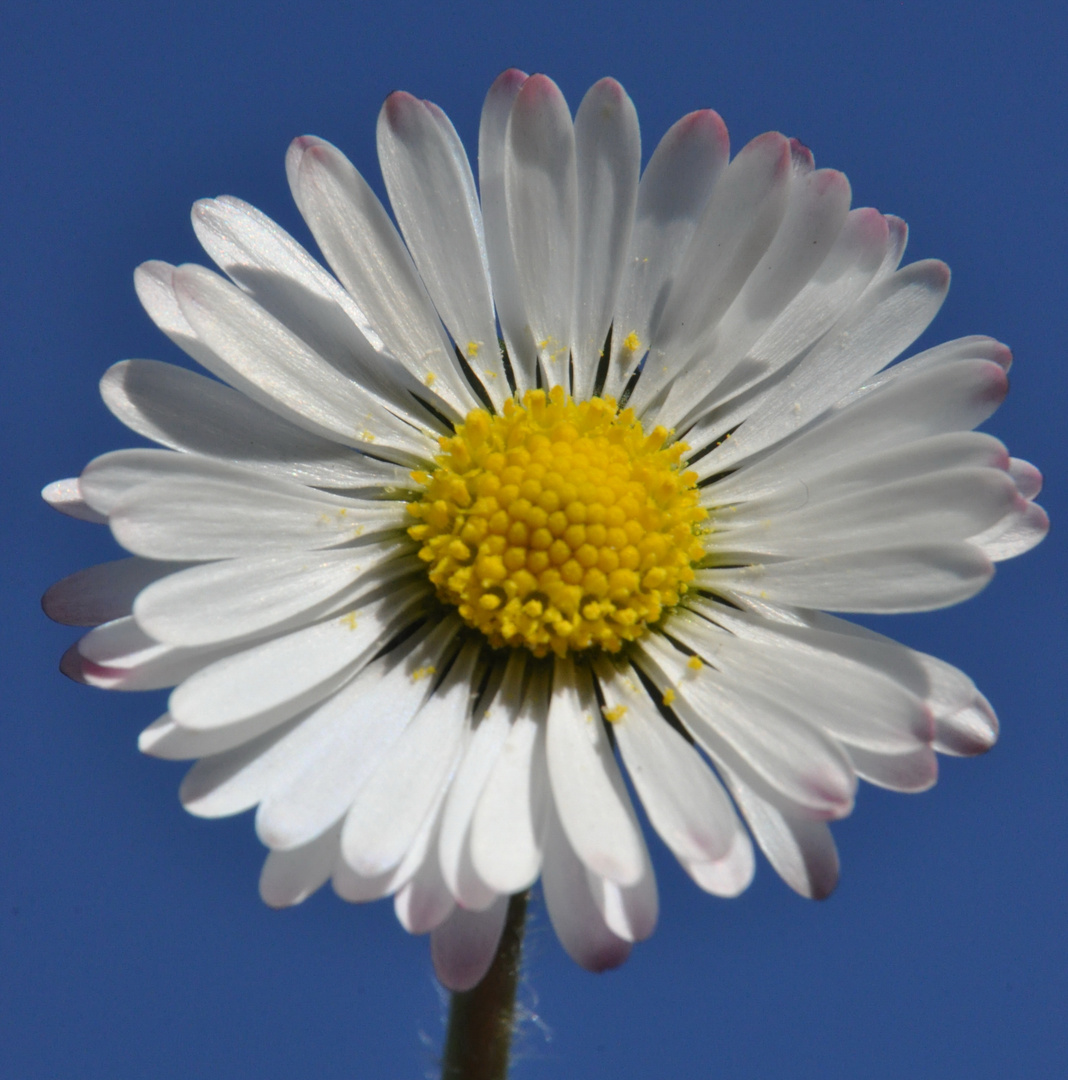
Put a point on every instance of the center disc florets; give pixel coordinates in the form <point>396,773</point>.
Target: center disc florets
<point>558,526</point>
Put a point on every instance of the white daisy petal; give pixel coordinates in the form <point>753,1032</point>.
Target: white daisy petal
<point>285,674</point>
<point>290,877</point>
<point>882,324</point>
<point>359,241</point>
<point>185,411</point>
<point>914,771</point>
<point>588,789</point>
<point>104,592</point>
<point>608,159</point>
<point>165,739</point>
<point>1017,532</point>
<point>835,687</point>
<point>293,288</point>
<point>174,507</point>
<point>897,241</point>
<point>1027,478</point>
<point>742,216</point>
<point>946,506</point>
<point>815,214</point>
<point>269,363</point>
<point>801,850</point>
<point>66,497</point>
<point>507,293</point>
<point>685,802</point>
<point>119,655</point>
<point>234,780</point>
<point>952,397</point>
<point>424,902</point>
<point>154,282</point>
<point>463,946</point>
<point>336,744</point>
<point>231,599</point>
<point>576,918</point>
<point>507,830</point>
<point>433,196</point>
<point>390,807</point>
<point>674,190</point>
<point>480,757</point>
<point>885,580</point>
<point>541,191</point>
<point>630,913</point>
<point>731,875</point>
<point>732,719</point>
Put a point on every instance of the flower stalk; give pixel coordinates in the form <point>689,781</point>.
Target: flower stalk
<point>482,1020</point>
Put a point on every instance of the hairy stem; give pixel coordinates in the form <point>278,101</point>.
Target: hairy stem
<point>481,1020</point>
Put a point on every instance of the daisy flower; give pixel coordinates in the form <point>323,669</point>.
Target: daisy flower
<point>550,483</point>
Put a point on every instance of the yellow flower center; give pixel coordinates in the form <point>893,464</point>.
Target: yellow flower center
<point>558,526</point>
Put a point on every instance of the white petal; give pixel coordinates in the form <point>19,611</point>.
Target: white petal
<point>163,738</point>
<point>269,363</point>
<point>967,731</point>
<point>880,326</point>
<point>731,875</point>
<point>672,195</point>
<point>389,809</point>
<point>507,294</point>
<point>939,508</point>
<point>737,227</point>
<point>463,946</point>
<point>801,850</point>
<point>831,470</point>
<point>815,214</point>
<point>685,802</point>
<point>965,723</point>
<point>541,189</point>
<point>290,877</point>
<point>104,592</point>
<point>433,196</point>
<point>608,157</point>
<point>285,281</point>
<point>154,282</point>
<point>328,753</point>
<point>425,901</point>
<point>280,677</point>
<point>235,780</point>
<point>66,497</point>
<point>1016,533</point>
<point>170,506</point>
<point>803,668</point>
<point>118,655</point>
<point>224,600</point>
<point>731,718</point>
<point>883,580</point>
<point>952,397</point>
<point>508,826</point>
<point>588,789</point>
<point>363,249</point>
<point>480,757</point>
<point>185,411</point>
<point>575,916</point>
<point>630,912</point>
<point>914,771</point>
<point>1027,478</point>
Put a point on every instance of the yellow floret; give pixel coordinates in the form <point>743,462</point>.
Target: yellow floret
<point>559,526</point>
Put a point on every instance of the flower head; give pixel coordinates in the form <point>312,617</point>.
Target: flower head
<point>419,589</point>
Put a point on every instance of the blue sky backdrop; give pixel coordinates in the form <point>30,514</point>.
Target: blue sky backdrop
<point>132,939</point>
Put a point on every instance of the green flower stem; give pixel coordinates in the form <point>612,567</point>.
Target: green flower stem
<point>481,1020</point>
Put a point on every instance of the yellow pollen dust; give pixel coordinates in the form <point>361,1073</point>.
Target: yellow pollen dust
<point>559,526</point>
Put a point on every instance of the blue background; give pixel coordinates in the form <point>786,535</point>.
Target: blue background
<point>133,940</point>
